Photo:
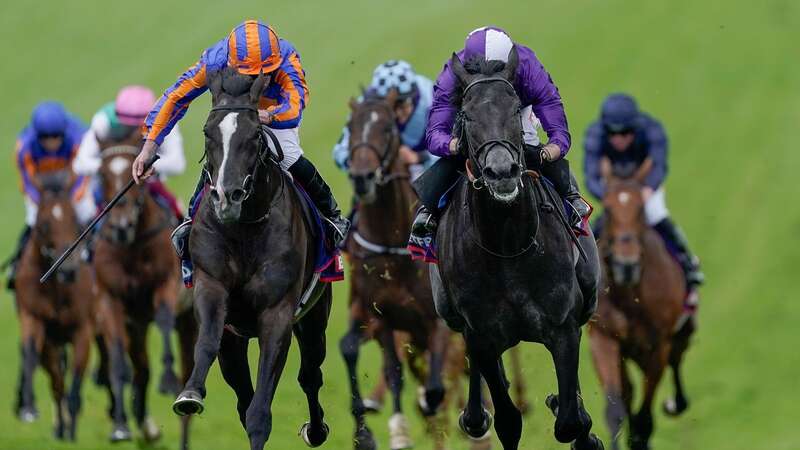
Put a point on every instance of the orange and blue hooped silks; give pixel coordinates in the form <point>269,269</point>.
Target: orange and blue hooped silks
<point>251,48</point>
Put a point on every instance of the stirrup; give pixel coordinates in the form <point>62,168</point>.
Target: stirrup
<point>180,237</point>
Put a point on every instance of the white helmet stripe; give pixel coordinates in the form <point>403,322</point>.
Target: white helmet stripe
<point>498,45</point>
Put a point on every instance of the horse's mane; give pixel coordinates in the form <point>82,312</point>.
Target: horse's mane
<point>478,66</point>
<point>234,83</point>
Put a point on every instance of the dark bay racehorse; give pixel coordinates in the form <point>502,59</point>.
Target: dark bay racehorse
<point>253,254</point>
<point>58,312</point>
<point>385,282</point>
<point>638,317</point>
<point>507,270</point>
<point>139,282</point>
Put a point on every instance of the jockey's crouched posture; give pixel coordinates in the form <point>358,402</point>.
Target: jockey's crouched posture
<point>49,143</point>
<point>252,48</point>
<point>628,137</point>
<point>541,102</point>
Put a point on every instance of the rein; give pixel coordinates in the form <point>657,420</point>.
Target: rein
<point>378,249</point>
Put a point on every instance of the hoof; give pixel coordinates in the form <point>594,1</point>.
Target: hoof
<point>399,438</point>
<point>363,439</point>
<point>372,406</point>
<point>188,403</point>
<point>477,433</point>
<point>121,433</point>
<point>314,439</point>
<point>590,442</point>
<point>674,408</point>
<point>100,377</point>
<point>552,403</point>
<point>169,383</point>
<point>28,414</point>
<point>150,431</point>
<point>428,401</point>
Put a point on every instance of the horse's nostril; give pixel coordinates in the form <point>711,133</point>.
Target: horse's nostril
<point>214,195</point>
<point>237,195</point>
<point>515,170</point>
<point>490,173</point>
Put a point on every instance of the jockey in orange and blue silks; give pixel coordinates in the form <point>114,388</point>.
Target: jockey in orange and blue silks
<point>48,144</point>
<point>252,48</point>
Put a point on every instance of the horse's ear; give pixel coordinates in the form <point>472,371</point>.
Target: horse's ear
<point>353,104</point>
<point>644,169</point>
<point>391,97</point>
<point>458,69</point>
<point>510,71</point>
<point>258,87</point>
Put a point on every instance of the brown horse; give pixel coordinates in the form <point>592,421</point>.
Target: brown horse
<point>638,317</point>
<point>138,282</point>
<point>387,287</point>
<point>58,312</point>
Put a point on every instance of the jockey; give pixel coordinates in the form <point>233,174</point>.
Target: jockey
<point>49,143</point>
<point>122,120</point>
<point>627,137</point>
<point>252,48</point>
<point>540,99</point>
<point>415,95</point>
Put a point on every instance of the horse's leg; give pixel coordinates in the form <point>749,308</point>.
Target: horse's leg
<point>519,382</point>
<point>274,338</point>
<point>349,346</point>
<point>165,303</point>
<point>641,423</point>
<point>310,332</point>
<point>236,371</point>
<point>573,422</point>
<point>508,420</point>
<point>52,362</point>
<point>209,302</point>
<point>607,362</point>
<point>137,350</point>
<point>101,371</point>
<point>114,335</point>
<point>398,424</point>
<point>475,420</point>
<point>438,341</point>
<point>680,343</point>
<point>81,343</point>
<point>186,326</point>
<point>32,332</point>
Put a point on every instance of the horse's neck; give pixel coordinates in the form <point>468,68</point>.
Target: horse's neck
<point>269,180</point>
<point>151,216</point>
<point>503,228</point>
<point>387,220</point>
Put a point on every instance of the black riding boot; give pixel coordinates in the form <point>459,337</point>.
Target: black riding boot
<point>564,183</point>
<point>430,186</point>
<point>11,278</point>
<point>688,261</point>
<point>319,191</point>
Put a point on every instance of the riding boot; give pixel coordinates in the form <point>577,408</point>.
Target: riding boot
<point>180,236</point>
<point>11,278</point>
<point>319,191</point>
<point>567,187</point>
<point>690,263</point>
<point>430,187</point>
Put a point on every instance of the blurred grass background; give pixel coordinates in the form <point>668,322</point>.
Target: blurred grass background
<point>722,76</point>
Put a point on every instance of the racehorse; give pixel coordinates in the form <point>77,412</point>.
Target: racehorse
<point>385,282</point>
<point>253,252</point>
<point>138,281</point>
<point>638,317</point>
<point>58,312</point>
<point>508,271</point>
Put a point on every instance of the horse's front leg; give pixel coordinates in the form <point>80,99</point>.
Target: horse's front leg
<point>310,332</point>
<point>114,336</point>
<point>608,363</point>
<point>275,335</point>
<point>399,436</point>
<point>32,331</point>
<point>210,297</point>
<point>82,343</point>
<point>475,420</point>
<point>573,422</point>
<point>166,305</point>
<point>349,346</point>
<point>137,334</point>
<point>438,341</point>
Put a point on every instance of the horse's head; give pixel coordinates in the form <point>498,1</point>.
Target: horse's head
<point>234,143</point>
<point>490,123</point>
<point>625,223</point>
<point>115,173</point>
<point>374,144</point>
<point>56,222</point>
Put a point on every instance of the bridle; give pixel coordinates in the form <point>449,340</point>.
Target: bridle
<point>386,158</point>
<point>133,151</point>
<point>265,156</point>
<point>473,150</point>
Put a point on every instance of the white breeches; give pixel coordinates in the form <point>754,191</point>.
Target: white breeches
<point>530,126</point>
<point>85,209</point>
<point>655,209</point>
<point>290,144</point>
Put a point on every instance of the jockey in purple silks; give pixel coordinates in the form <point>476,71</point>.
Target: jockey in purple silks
<point>541,103</point>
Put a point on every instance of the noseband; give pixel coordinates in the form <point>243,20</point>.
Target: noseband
<point>265,156</point>
<point>475,150</point>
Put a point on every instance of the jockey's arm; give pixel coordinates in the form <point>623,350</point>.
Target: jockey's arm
<point>87,161</point>
<point>27,172</point>
<point>657,152</point>
<point>174,102</point>
<point>341,150</point>
<point>173,159</point>
<point>293,94</point>
<point>592,157</point>
<point>438,135</point>
<point>542,94</point>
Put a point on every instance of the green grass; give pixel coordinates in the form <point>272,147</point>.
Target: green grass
<point>723,77</point>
